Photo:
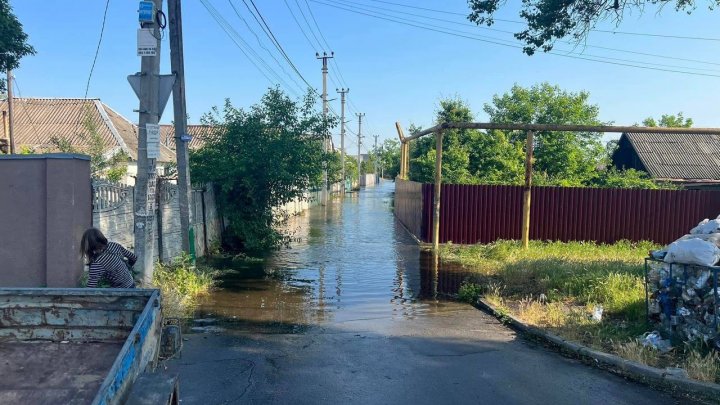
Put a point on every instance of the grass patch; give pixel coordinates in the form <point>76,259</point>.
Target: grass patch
<point>182,284</point>
<point>558,286</point>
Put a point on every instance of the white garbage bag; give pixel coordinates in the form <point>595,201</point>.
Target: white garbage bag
<point>712,237</point>
<point>706,226</point>
<point>693,251</point>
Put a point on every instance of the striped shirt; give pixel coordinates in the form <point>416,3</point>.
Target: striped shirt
<point>109,265</point>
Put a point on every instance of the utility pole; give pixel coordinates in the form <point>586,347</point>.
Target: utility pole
<point>145,182</point>
<point>177,65</point>
<point>375,155</point>
<point>342,92</point>
<point>360,137</point>
<point>325,58</point>
<point>11,121</point>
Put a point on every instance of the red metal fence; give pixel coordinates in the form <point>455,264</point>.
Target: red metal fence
<point>482,213</point>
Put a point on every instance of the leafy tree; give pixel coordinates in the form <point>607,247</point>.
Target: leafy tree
<point>669,121</point>
<point>456,156</point>
<point>260,158</point>
<point>549,20</point>
<point>568,157</point>
<point>13,41</point>
<point>628,178</point>
<point>389,157</point>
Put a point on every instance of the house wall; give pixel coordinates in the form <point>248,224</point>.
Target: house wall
<point>45,204</point>
<point>625,157</point>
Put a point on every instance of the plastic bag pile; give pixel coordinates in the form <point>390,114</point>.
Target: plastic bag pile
<point>683,302</point>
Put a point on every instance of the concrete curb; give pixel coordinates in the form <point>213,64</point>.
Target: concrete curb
<point>631,369</point>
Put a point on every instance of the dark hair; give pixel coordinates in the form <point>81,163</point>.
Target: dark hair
<point>93,243</point>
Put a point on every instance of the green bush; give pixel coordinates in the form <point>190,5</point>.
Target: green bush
<point>182,284</point>
<point>469,292</point>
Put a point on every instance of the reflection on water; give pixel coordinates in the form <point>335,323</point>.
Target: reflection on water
<point>349,260</point>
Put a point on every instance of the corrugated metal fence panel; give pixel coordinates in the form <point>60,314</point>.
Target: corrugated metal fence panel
<point>483,213</point>
<point>409,205</point>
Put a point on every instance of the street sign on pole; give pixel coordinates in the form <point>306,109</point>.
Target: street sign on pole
<point>146,42</point>
<point>153,140</point>
<point>166,86</point>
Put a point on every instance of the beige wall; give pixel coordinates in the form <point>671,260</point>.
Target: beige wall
<point>45,206</point>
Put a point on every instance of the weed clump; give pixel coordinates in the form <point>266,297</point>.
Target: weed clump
<point>182,284</point>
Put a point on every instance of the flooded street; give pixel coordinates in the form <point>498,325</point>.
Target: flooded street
<point>352,313</point>
<point>350,261</point>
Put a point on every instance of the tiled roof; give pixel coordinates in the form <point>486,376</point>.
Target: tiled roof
<point>37,120</point>
<point>678,156</point>
<point>198,133</point>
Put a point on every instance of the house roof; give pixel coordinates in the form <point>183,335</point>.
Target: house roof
<point>198,133</point>
<point>37,120</point>
<point>666,156</point>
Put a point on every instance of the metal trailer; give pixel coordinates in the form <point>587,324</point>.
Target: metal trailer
<point>81,346</point>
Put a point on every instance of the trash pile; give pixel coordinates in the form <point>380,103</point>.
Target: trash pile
<point>683,298</point>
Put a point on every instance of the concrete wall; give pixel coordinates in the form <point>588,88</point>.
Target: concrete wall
<point>45,206</point>
<point>309,199</point>
<point>367,180</point>
<point>113,215</point>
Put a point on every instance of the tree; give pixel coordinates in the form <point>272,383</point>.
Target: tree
<point>569,157</point>
<point>389,157</point>
<point>549,20</point>
<point>13,41</point>
<point>261,158</point>
<point>456,157</point>
<point>669,121</point>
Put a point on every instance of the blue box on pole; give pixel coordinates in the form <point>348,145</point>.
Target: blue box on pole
<point>146,11</point>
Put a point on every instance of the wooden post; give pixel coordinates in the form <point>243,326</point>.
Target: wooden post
<point>401,135</point>
<point>177,64</point>
<point>436,199</point>
<point>407,160</point>
<point>527,192</point>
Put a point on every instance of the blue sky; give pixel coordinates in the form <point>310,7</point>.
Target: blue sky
<point>395,72</point>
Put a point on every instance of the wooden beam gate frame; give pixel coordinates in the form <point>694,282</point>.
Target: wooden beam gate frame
<point>530,129</point>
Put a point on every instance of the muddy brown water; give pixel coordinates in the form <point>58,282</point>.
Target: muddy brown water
<point>349,260</point>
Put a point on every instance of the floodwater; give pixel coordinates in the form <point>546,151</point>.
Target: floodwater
<point>349,260</point>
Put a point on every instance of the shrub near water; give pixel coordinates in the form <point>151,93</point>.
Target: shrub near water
<point>182,284</point>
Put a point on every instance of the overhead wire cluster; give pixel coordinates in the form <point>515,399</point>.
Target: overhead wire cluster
<point>273,62</point>
<point>431,21</point>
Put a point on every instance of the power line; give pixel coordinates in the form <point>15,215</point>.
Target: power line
<point>520,22</point>
<point>261,44</point>
<point>227,28</point>
<point>277,43</point>
<point>312,16</point>
<point>467,24</point>
<point>300,26</point>
<point>308,24</point>
<point>494,41</point>
<point>97,49</point>
<point>25,109</point>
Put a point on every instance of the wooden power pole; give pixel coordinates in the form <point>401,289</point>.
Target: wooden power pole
<point>149,116</point>
<point>177,65</point>
<point>342,92</point>
<point>326,147</point>
<point>11,121</point>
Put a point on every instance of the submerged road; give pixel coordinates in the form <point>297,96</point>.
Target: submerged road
<point>350,314</point>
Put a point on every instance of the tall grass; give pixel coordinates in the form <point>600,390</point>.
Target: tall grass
<point>580,273</point>
<point>182,284</point>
